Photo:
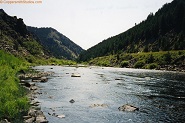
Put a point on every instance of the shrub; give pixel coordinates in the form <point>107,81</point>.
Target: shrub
<point>150,59</point>
<point>124,63</point>
<point>139,64</point>
<point>167,57</point>
<point>152,66</point>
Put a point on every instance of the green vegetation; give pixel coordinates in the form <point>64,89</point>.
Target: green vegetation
<point>50,61</point>
<point>33,47</point>
<point>13,100</point>
<point>162,31</point>
<point>146,60</point>
<point>156,43</point>
<point>152,66</point>
<point>27,50</point>
<point>124,63</point>
<point>139,64</point>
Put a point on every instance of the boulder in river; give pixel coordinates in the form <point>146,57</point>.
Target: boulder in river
<point>33,88</point>
<point>75,75</point>
<point>39,79</point>
<point>61,116</point>
<point>41,119</point>
<point>43,79</point>
<point>128,107</point>
<point>72,101</point>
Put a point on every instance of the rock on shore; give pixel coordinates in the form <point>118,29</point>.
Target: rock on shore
<point>35,115</point>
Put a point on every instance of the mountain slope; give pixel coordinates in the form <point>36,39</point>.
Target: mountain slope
<point>162,31</point>
<point>16,39</point>
<point>59,45</point>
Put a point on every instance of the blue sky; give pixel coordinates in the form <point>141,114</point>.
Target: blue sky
<point>85,22</point>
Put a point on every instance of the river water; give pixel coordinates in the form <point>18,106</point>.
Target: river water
<point>159,95</point>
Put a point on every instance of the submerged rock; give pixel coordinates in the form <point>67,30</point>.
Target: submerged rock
<point>99,105</point>
<point>118,78</point>
<point>128,107</point>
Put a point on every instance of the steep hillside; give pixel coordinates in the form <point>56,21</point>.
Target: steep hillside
<point>16,39</point>
<point>162,31</point>
<point>59,45</point>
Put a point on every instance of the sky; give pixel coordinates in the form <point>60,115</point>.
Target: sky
<point>85,22</point>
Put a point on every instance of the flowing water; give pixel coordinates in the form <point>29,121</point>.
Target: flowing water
<point>159,95</point>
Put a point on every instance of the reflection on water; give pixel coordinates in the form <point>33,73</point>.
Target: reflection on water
<point>159,95</point>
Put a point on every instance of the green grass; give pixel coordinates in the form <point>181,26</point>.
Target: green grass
<point>13,100</point>
<point>50,61</point>
<point>147,60</point>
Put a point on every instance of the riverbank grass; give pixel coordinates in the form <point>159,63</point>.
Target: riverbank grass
<point>13,100</point>
<point>146,60</point>
<point>50,61</point>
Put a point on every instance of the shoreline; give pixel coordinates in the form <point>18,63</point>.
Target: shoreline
<point>28,81</point>
<point>167,68</point>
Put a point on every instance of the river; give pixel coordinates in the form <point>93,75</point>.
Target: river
<point>97,94</point>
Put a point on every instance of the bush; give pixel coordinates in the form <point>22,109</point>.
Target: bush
<point>124,63</point>
<point>150,59</point>
<point>152,66</point>
<point>103,63</point>
<point>139,64</point>
<point>167,57</point>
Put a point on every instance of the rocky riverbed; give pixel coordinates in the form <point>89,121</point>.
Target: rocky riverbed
<point>28,80</point>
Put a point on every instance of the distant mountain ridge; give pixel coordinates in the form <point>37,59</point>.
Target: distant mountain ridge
<point>59,45</point>
<point>162,31</point>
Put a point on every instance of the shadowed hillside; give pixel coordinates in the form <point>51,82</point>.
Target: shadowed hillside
<point>59,45</point>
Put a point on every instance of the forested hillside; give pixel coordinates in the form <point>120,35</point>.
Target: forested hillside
<point>162,31</point>
<point>16,39</point>
<point>59,45</point>
<point>28,42</point>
